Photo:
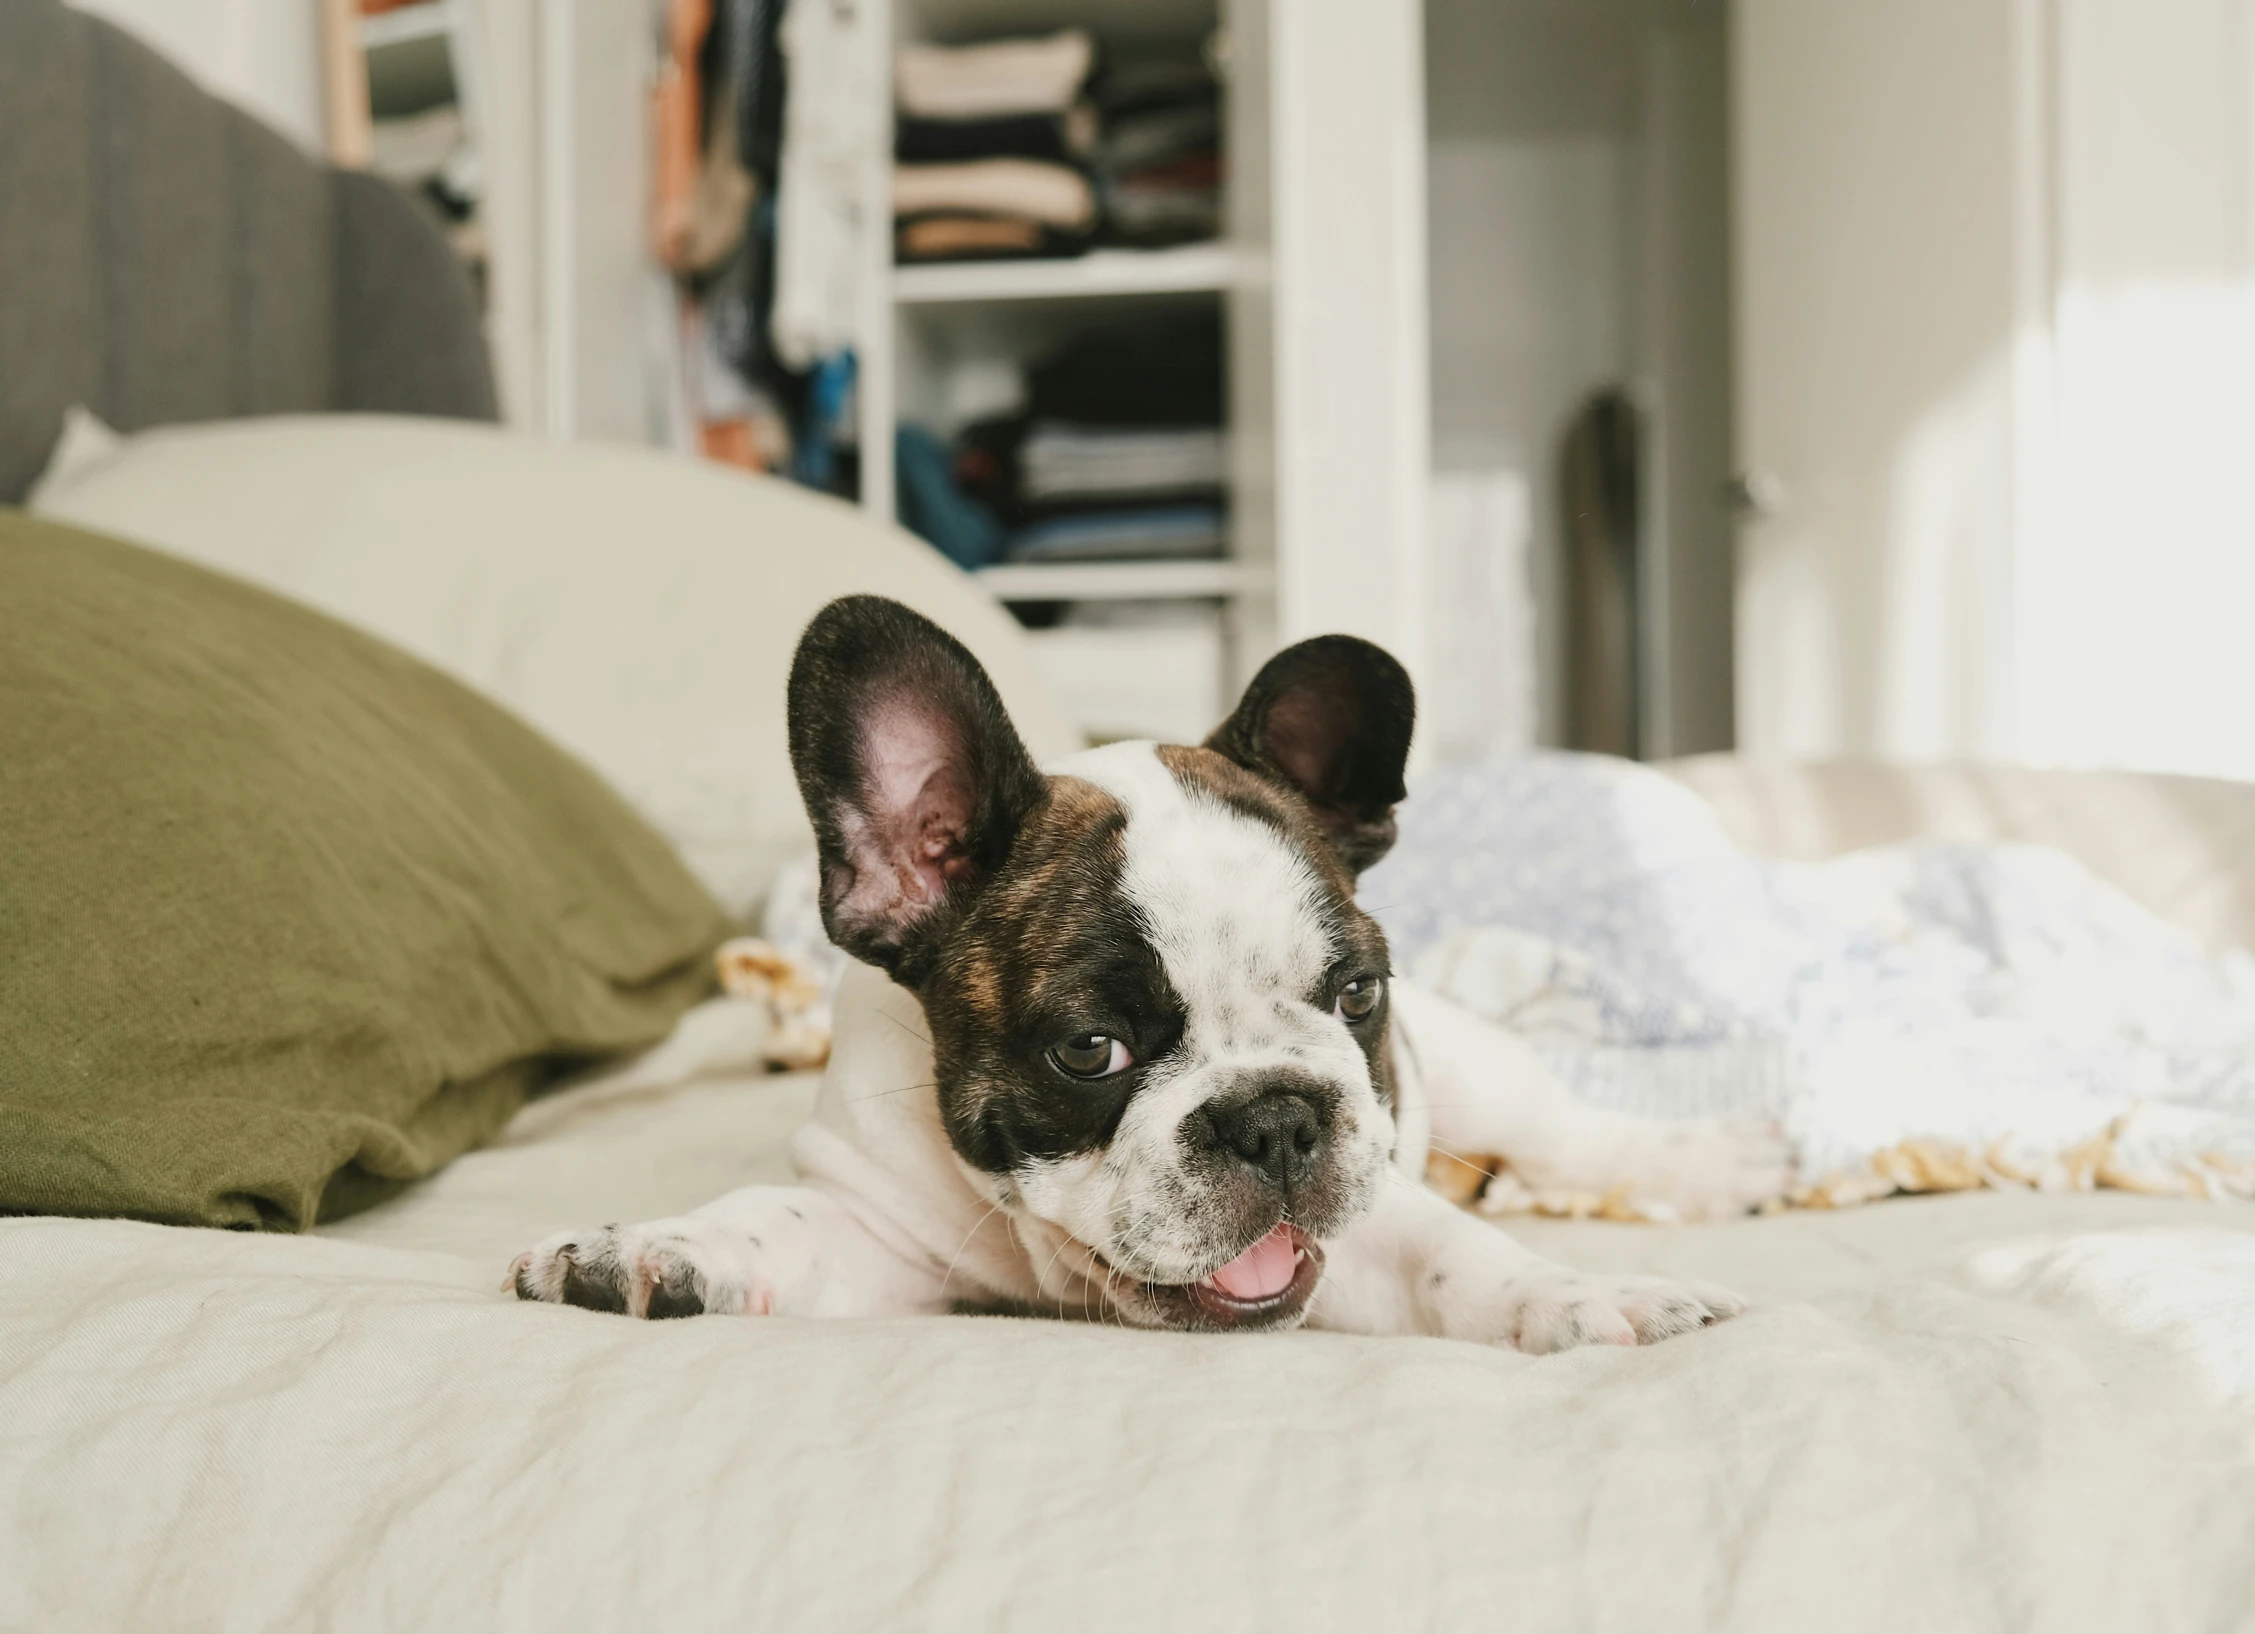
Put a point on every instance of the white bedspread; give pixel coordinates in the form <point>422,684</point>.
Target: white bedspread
<point>361,1431</point>
<point>2001,1001</point>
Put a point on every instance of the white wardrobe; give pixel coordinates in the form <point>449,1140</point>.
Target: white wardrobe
<point>1321,279</point>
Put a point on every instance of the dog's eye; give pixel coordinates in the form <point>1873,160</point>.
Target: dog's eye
<point>1092,1055</point>
<point>1359,998</point>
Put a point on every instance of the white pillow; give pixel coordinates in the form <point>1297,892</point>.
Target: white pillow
<point>87,440</point>
<point>638,607</point>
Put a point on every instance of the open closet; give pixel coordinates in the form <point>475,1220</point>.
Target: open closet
<point>1269,354</point>
<point>1473,285</point>
<point>1084,397</point>
<point>1457,331</point>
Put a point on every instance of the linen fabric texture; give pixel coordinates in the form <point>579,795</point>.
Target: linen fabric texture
<point>288,918</point>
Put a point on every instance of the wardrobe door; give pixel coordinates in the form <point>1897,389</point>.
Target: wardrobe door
<point>1879,239</point>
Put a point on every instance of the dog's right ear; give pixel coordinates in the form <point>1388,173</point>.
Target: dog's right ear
<point>912,774</point>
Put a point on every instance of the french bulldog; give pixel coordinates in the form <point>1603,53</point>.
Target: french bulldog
<point>1121,1045</point>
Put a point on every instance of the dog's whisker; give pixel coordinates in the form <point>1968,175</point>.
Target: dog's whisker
<point>1463,1154</point>
<point>881,1094</point>
<point>1129,1249</point>
<point>921,1038</point>
<point>1065,1240</point>
<point>992,1210</point>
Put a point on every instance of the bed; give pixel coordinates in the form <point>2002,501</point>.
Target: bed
<point>1984,1410</point>
<point>1994,1409</point>
<point>1931,1419</point>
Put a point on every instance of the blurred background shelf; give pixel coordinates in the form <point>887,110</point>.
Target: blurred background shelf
<point>1191,269</point>
<point>429,20</point>
<point>1120,581</point>
<point>1322,510</point>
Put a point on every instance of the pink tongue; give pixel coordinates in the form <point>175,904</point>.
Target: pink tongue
<point>1262,1271</point>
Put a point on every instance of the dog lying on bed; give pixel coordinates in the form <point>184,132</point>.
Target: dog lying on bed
<point>1128,1050</point>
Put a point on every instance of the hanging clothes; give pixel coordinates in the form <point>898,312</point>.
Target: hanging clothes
<point>745,57</point>
<point>833,120</point>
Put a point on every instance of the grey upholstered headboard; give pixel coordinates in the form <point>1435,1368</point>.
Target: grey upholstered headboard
<point>165,257</point>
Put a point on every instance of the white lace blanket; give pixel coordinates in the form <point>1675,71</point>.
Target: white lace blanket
<point>1920,1017</point>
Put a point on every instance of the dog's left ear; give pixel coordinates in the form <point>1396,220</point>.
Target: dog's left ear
<point>1330,718</point>
<point>913,777</point>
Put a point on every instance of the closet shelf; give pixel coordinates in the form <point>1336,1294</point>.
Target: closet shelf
<point>1119,581</point>
<point>1101,273</point>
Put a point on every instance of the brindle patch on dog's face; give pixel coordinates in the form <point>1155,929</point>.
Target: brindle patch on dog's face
<point>1187,908</point>
<point>1050,951</point>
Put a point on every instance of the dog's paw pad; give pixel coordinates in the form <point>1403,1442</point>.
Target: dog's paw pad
<point>1566,1313</point>
<point>683,1269</point>
<point>1667,1309</point>
<point>673,1289</point>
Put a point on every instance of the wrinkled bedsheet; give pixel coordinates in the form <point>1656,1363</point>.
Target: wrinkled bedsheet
<point>1995,1410</point>
<point>2001,1002</point>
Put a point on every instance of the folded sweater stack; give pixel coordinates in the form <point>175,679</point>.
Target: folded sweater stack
<point>1120,453</point>
<point>1028,147</point>
<point>1159,152</point>
<point>992,146</point>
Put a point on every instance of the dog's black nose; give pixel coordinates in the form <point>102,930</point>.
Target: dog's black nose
<point>1279,1134</point>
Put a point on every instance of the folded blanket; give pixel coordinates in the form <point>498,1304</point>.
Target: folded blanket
<point>1134,84</point>
<point>981,238</point>
<point>1152,215</point>
<point>1173,532</point>
<point>1160,134</point>
<point>1056,137</point>
<point>1921,1017</point>
<point>1209,497</point>
<point>1001,77</point>
<point>1059,460</point>
<point>1054,195</point>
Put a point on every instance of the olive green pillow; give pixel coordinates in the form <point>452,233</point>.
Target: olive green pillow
<point>287,918</point>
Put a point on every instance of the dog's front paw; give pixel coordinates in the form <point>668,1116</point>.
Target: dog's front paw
<point>670,1268</point>
<point>1561,1310</point>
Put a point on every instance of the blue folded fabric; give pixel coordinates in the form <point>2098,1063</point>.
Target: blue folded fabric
<point>1170,531</point>
<point>933,507</point>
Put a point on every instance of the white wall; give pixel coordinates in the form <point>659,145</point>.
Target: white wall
<point>263,55</point>
<point>2134,598</point>
<point>1997,272</point>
